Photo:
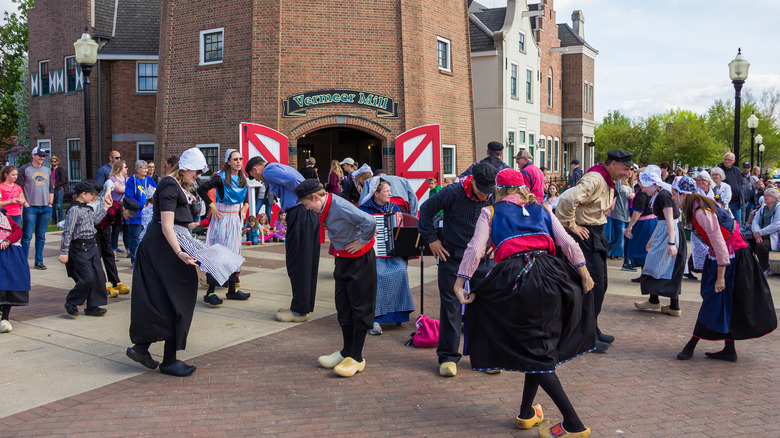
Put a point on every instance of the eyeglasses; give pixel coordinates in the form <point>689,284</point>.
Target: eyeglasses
<point>237,158</point>
<point>198,172</point>
<point>118,158</point>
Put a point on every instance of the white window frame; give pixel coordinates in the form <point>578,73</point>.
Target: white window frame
<point>454,160</point>
<point>521,42</point>
<point>47,148</point>
<point>40,77</point>
<point>448,67</point>
<point>137,88</point>
<point>138,148</point>
<point>67,157</point>
<point>521,142</point>
<point>514,80</point>
<point>585,97</point>
<point>529,86</point>
<point>590,97</point>
<point>202,46</point>
<point>65,74</point>
<point>557,158</point>
<point>211,170</point>
<point>549,91</point>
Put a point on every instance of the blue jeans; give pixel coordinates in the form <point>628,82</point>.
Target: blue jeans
<point>57,212</point>
<point>736,211</point>
<point>134,230</point>
<point>616,238</point>
<point>36,219</point>
<point>267,203</point>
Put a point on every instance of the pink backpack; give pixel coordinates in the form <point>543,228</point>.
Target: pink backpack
<point>427,335</point>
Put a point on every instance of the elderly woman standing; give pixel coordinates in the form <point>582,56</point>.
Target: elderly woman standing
<point>736,301</point>
<point>136,188</point>
<point>766,229</point>
<point>666,255</point>
<point>722,191</point>
<point>227,217</point>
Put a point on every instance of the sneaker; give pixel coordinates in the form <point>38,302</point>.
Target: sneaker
<point>376,331</point>
<point>768,273</point>
<point>628,268</point>
<point>5,326</point>
<point>237,295</point>
<point>647,305</point>
<point>40,266</point>
<point>72,310</point>
<point>212,299</point>
<point>95,311</point>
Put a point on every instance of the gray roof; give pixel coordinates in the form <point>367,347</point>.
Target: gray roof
<point>137,26</point>
<point>570,38</point>
<point>493,20</point>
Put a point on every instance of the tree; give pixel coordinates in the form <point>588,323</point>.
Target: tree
<point>720,121</point>
<point>686,140</point>
<point>13,49</point>
<point>22,104</point>
<point>616,131</point>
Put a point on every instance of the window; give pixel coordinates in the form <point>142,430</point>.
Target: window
<point>448,160</point>
<point>557,152</point>
<point>70,74</point>
<point>529,75</point>
<point>211,152</point>
<point>510,145</point>
<point>520,137</point>
<point>522,42</point>
<point>549,91</point>
<point>444,54</point>
<point>74,159</point>
<point>146,81</point>
<point>211,46</point>
<point>145,151</point>
<point>531,143</point>
<point>541,157</point>
<point>585,98</point>
<point>549,154</point>
<point>513,82</point>
<point>43,74</point>
<point>46,146</point>
<point>590,97</point>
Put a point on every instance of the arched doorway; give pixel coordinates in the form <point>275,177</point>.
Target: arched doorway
<point>337,143</point>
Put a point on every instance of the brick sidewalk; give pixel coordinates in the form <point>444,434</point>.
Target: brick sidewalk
<point>272,385</point>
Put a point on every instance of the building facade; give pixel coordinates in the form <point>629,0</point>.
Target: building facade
<point>338,80</point>
<point>123,82</point>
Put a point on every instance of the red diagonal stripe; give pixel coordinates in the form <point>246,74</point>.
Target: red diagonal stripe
<point>417,152</point>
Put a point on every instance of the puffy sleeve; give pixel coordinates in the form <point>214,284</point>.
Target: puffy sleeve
<point>168,196</point>
<point>476,247</point>
<point>570,248</point>
<point>570,199</point>
<point>709,222</point>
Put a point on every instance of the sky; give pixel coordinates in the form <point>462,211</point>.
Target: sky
<point>665,54</point>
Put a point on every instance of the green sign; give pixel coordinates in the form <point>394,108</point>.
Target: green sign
<point>295,106</point>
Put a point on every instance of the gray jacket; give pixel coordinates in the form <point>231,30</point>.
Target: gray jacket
<point>346,223</point>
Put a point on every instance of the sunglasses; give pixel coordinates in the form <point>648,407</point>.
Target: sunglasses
<point>198,172</point>
<point>237,158</point>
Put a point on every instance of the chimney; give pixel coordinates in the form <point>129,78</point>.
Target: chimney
<point>578,23</point>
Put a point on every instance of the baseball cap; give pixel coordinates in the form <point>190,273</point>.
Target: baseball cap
<point>347,161</point>
<point>39,151</point>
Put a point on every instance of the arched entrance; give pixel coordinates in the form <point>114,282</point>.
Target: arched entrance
<point>336,144</point>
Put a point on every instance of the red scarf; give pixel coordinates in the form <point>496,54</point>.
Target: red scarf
<point>601,170</point>
<point>469,189</point>
<point>323,216</point>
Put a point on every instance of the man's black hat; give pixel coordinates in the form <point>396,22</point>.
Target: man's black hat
<point>575,161</point>
<point>746,164</point>
<point>88,186</point>
<point>495,146</point>
<point>252,163</point>
<point>485,177</point>
<point>307,187</point>
<point>620,155</point>
<point>131,205</point>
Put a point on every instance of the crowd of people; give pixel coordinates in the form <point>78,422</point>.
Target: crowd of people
<point>527,258</point>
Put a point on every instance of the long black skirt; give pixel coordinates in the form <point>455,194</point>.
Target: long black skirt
<point>545,321</point>
<point>744,310</point>
<point>165,290</point>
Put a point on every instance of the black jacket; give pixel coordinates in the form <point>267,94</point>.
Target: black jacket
<point>61,178</point>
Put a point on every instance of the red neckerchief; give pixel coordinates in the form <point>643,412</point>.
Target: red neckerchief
<point>469,189</point>
<point>323,215</point>
<point>601,170</point>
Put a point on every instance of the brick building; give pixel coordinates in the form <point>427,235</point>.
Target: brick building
<point>123,82</point>
<point>339,80</point>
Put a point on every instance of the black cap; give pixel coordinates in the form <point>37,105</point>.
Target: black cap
<point>39,151</point>
<point>307,187</point>
<point>746,164</point>
<point>485,177</point>
<point>252,163</point>
<point>620,155</point>
<point>575,161</point>
<point>380,172</point>
<point>131,205</point>
<point>495,146</point>
<point>88,186</point>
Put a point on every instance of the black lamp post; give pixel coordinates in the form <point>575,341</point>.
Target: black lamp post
<point>86,56</point>
<point>738,72</point>
<point>752,123</point>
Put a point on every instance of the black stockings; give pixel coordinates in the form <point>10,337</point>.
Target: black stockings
<point>674,304</point>
<point>552,386</point>
<point>729,352</point>
<point>354,339</point>
<point>6,309</point>
<point>169,351</point>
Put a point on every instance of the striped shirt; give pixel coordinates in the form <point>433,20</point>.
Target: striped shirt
<point>80,223</point>
<point>460,217</point>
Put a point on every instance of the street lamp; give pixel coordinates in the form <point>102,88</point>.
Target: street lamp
<point>760,143</point>
<point>86,56</point>
<point>752,124</point>
<point>738,72</point>
<point>761,157</point>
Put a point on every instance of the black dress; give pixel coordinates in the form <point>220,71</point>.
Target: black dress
<point>659,277</point>
<point>164,287</point>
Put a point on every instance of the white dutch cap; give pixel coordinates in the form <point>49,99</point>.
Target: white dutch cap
<point>652,176</point>
<point>363,168</point>
<point>193,159</point>
<point>228,152</point>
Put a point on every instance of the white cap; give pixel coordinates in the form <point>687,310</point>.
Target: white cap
<point>347,161</point>
<point>193,159</point>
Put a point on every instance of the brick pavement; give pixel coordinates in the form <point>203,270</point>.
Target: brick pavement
<point>273,386</point>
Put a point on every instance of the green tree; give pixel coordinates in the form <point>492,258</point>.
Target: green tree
<point>13,49</point>
<point>616,131</point>
<point>22,105</point>
<point>686,140</point>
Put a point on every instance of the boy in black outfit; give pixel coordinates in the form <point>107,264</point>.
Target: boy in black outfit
<point>80,254</point>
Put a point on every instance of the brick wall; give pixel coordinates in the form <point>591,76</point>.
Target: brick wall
<point>579,69</point>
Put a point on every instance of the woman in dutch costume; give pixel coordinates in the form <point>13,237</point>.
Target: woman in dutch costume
<point>227,218</point>
<point>14,270</point>
<point>165,281</point>
<point>532,312</point>
<point>394,300</point>
<point>640,227</point>
<point>736,301</point>
<point>667,249</point>
<point>699,249</point>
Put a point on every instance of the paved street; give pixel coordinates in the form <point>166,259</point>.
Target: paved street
<point>255,376</point>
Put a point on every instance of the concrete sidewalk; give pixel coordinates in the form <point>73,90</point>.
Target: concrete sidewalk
<point>71,376</point>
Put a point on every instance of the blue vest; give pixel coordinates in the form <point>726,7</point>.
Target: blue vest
<point>509,222</point>
<point>234,194</point>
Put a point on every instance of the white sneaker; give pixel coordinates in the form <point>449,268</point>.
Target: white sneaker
<point>376,331</point>
<point>5,326</point>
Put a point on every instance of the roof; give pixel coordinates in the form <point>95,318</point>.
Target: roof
<point>137,25</point>
<point>482,24</point>
<point>568,37</point>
